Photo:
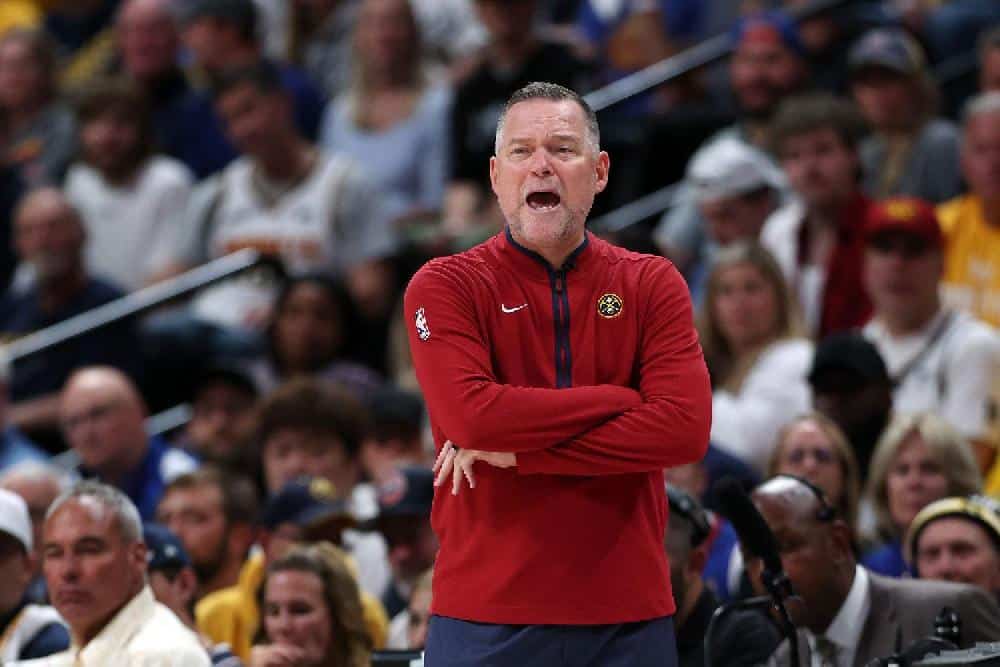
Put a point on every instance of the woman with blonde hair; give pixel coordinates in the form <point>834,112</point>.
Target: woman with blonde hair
<point>393,119</point>
<point>312,612</point>
<point>813,447</point>
<point>919,459</point>
<point>756,356</point>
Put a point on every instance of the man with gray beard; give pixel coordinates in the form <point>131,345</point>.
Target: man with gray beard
<point>49,238</point>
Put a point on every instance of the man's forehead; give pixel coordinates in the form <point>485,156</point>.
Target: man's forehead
<point>985,123</point>
<point>80,515</point>
<point>551,116</point>
<point>949,528</point>
<point>206,495</point>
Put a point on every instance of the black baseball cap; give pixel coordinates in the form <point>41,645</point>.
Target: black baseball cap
<point>226,373</point>
<point>848,351</point>
<point>306,502</point>
<point>406,493</point>
<point>164,550</point>
<point>888,48</point>
<point>391,406</point>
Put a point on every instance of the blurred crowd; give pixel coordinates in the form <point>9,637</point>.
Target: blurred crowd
<point>835,212</point>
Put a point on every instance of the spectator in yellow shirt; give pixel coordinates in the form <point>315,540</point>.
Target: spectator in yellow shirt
<point>19,14</point>
<point>971,223</point>
<point>304,511</point>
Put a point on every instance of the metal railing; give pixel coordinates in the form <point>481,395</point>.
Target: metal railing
<point>705,53</point>
<point>135,303</point>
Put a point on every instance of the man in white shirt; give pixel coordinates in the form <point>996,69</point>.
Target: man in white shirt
<point>284,198</point>
<point>940,359</point>
<point>130,200</point>
<point>846,615</point>
<point>95,566</point>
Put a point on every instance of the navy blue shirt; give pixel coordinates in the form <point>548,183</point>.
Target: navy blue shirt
<point>51,639</point>
<point>114,345</point>
<point>144,485</point>
<point>197,136</point>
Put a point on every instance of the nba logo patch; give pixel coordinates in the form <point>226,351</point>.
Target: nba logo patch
<point>422,329</point>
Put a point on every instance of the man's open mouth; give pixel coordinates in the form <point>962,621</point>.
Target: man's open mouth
<point>543,201</point>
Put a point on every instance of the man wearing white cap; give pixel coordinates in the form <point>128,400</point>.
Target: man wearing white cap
<point>735,188</point>
<point>26,630</point>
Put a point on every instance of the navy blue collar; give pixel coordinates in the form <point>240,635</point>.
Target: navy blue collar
<point>567,265</point>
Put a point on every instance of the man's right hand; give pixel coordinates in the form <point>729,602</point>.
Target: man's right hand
<point>458,463</point>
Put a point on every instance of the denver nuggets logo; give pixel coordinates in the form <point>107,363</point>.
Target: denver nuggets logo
<point>422,329</point>
<point>609,305</point>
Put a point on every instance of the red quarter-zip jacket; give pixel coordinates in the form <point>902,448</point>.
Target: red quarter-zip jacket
<point>593,375</point>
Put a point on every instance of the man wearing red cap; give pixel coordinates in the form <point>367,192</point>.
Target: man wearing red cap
<point>940,359</point>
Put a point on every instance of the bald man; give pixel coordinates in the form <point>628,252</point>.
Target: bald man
<point>148,40</point>
<point>103,421</point>
<point>851,616</point>
<point>49,238</point>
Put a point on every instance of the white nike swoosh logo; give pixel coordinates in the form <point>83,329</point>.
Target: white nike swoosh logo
<point>514,309</point>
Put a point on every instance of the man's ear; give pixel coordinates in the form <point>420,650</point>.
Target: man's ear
<point>186,583</point>
<point>493,174</point>
<point>137,553</point>
<point>842,538</point>
<point>603,169</point>
<point>241,537</point>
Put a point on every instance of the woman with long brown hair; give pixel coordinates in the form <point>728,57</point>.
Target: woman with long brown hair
<point>312,614</point>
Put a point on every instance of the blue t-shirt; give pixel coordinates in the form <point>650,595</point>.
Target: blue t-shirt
<point>887,560</point>
<point>114,345</point>
<point>16,448</point>
<point>51,638</point>
<point>197,136</point>
<point>682,19</point>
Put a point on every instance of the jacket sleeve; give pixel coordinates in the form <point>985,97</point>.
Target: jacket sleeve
<point>671,426</point>
<point>454,369</point>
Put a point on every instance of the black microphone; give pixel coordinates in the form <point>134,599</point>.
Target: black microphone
<point>755,536</point>
<point>757,541</point>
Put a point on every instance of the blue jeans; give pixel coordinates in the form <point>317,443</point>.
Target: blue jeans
<point>455,643</point>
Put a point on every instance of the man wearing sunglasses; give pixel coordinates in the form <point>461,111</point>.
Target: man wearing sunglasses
<point>939,359</point>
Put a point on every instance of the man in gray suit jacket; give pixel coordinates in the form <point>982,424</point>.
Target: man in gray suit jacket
<point>846,615</point>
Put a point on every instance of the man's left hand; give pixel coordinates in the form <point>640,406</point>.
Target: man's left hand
<point>458,463</point>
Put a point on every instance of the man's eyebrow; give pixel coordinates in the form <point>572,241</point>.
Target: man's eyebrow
<point>565,136</point>
<point>90,541</point>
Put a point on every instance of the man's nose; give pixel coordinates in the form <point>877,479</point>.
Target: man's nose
<point>68,569</point>
<point>540,163</point>
<point>946,568</point>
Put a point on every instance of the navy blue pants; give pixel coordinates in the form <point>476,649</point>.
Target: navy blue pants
<point>454,643</point>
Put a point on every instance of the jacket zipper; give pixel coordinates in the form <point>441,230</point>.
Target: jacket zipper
<point>560,310</point>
